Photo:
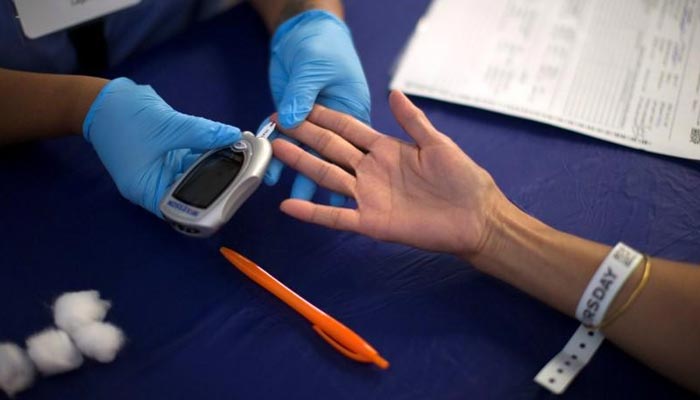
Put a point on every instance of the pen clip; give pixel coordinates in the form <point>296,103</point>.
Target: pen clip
<point>342,349</point>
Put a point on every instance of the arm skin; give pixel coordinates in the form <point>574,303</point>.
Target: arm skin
<point>433,196</point>
<point>275,12</point>
<point>37,106</point>
<point>661,328</point>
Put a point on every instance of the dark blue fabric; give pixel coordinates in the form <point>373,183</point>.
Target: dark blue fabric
<point>127,31</point>
<point>198,328</point>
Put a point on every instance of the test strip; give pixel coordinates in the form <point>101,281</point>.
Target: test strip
<point>267,130</point>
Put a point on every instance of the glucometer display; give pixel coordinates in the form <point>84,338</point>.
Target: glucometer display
<point>209,178</point>
<point>217,185</point>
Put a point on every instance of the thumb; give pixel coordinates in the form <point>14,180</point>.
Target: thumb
<point>202,134</point>
<point>413,120</point>
<point>298,100</point>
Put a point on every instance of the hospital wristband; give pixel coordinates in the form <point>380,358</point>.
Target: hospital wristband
<point>606,284</point>
<point>611,317</point>
<point>592,308</point>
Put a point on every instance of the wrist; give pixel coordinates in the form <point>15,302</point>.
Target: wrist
<point>506,227</point>
<point>294,8</point>
<point>84,92</point>
<point>549,264</point>
<point>303,18</point>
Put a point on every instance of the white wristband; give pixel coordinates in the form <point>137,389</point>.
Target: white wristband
<point>561,370</point>
<point>606,283</point>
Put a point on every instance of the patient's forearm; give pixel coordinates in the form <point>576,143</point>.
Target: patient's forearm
<point>661,328</point>
<point>35,106</point>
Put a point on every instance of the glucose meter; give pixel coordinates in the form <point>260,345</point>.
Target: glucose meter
<point>210,192</point>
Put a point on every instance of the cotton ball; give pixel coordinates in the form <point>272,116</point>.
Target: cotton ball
<point>99,340</point>
<point>16,369</point>
<point>53,352</point>
<point>72,310</point>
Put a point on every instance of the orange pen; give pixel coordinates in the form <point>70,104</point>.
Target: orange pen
<point>336,334</point>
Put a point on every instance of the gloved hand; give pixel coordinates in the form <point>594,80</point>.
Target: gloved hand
<point>144,143</point>
<point>313,60</point>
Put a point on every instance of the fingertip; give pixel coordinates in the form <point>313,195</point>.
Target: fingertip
<point>297,103</point>
<point>284,205</point>
<point>396,94</point>
<point>397,99</point>
<point>275,131</point>
<point>285,113</point>
<point>293,113</point>
<point>290,121</point>
<point>277,142</point>
<point>293,207</point>
<point>226,134</point>
<point>231,130</point>
<point>413,120</point>
<point>155,207</point>
<point>274,118</point>
<point>279,147</point>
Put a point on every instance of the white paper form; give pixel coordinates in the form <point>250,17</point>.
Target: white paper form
<point>626,71</point>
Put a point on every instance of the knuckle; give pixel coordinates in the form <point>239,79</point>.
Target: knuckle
<point>343,123</point>
<point>355,160</point>
<point>295,158</point>
<point>347,185</point>
<point>323,141</point>
<point>323,173</point>
<point>334,218</point>
<point>315,216</point>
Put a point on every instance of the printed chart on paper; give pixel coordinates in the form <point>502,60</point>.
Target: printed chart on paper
<point>626,71</point>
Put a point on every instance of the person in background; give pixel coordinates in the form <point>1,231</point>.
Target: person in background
<point>142,141</point>
<point>431,195</point>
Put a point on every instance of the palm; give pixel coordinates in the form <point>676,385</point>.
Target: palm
<point>429,195</point>
<point>415,196</point>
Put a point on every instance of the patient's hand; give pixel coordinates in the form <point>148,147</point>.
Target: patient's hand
<point>428,194</point>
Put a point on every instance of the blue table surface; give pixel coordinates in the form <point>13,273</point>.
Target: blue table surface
<point>198,328</point>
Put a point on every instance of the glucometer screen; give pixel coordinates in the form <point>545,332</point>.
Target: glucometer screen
<point>209,178</point>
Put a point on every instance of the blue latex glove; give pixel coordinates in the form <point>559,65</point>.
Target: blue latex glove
<point>313,60</point>
<point>144,143</point>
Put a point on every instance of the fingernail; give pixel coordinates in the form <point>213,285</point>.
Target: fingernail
<point>228,130</point>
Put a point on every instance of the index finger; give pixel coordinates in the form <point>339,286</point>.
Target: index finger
<point>354,131</point>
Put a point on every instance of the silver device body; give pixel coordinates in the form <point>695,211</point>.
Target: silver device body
<point>203,220</point>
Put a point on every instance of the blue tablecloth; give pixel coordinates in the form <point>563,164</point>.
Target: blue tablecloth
<point>197,328</point>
